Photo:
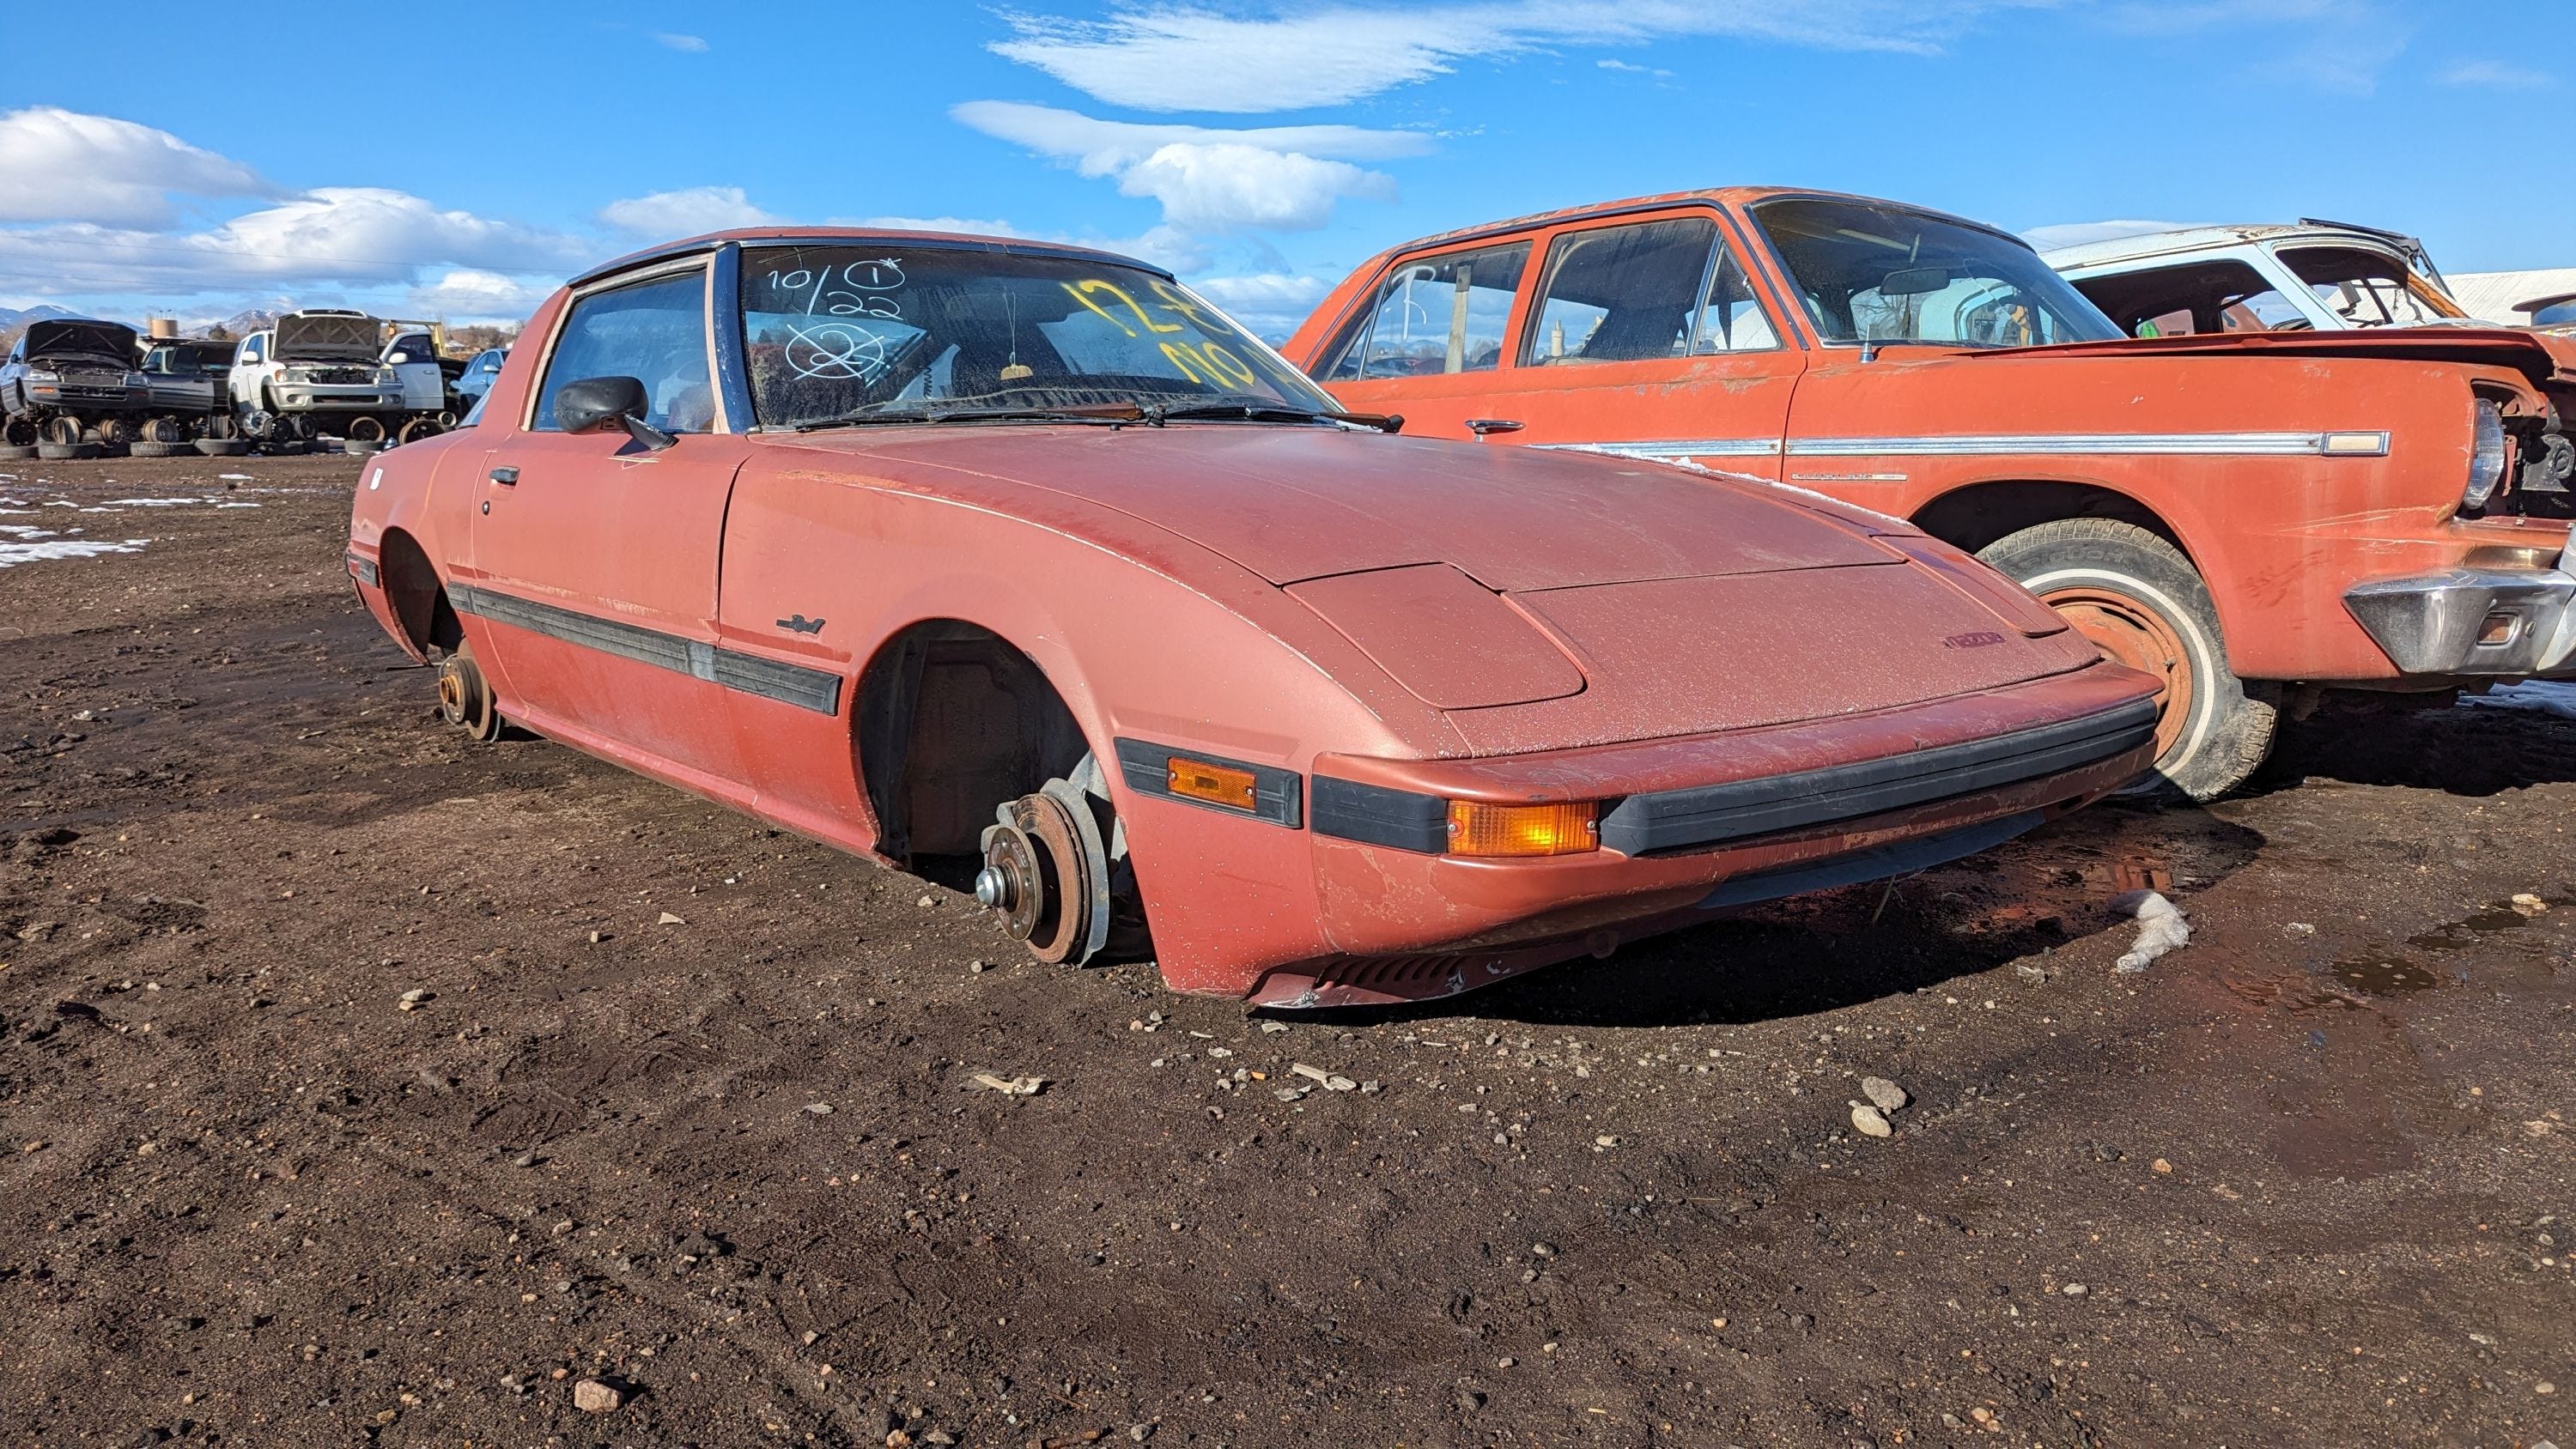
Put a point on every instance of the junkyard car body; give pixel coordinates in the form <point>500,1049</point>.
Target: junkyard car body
<point>1301,668</point>
<point>2312,276</point>
<point>311,367</point>
<point>76,373</point>
<point>480,373</point>
<point>185,377</point>
<point>2381,510</point>
<point>412,353</point>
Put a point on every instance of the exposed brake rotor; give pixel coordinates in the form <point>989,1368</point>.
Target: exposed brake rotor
<point>1046,870</point>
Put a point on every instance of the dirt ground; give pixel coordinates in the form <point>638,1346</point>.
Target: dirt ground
<point>2306,1181</point>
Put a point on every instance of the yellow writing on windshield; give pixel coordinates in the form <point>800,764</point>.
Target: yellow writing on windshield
<point>1082,292</point>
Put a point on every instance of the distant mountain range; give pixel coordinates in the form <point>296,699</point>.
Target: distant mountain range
<point>12,318</point>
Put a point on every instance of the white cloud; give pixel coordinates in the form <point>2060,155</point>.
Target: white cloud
<point>1621,65</point>
<point>1270,304</point>
<point>356,236</point>
<point>1230,186</point>
<point>671,214</point>
<point>467,295</point>
<point>2489,75</point>
<point>686,44</point>
<point>1210,179</point>
<point>65,166</point>
<point>1187,57</point>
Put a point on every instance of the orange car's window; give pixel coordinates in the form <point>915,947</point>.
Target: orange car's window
<point>883,331</point>
<point>1657,289</point>
<point>654,332</point>
<point>1873,271</point>
<point>1435,315</point>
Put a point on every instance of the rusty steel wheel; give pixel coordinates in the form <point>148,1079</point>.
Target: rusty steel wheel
<point>465,697</point>
<point>2139,637</point>
<point>63,432</point>
<point>2137,598</point>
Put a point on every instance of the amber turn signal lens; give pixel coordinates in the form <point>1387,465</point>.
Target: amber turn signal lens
<point>1476,829</point>
<point>1214,784</point>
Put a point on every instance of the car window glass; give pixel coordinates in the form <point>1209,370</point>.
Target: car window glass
<point>2223,295</point>
<point>1436,315</point>
<point>1872,271</point>
<point>1730,319</point>
<point>655,332</point>
<point>844,332</point>
<point>252,352</point>
<point>2369,288</point>
<point>2558,314</point>
<point>1621,293</point>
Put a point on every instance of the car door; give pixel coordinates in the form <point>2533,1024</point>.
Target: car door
<point>594,557</point>
<point>1638,335</point>
<point>1432,342</point>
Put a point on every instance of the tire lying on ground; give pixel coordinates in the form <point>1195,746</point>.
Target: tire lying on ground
<point>13,452</point>
<point>159,450</point>
<point>356,449</point>
<point>2138,597</point>
<point>66,452</point>
<point>222,447</point>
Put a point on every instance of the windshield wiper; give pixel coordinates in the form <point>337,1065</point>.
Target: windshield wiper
<point>1268,413</point>
<point>1111,413</point>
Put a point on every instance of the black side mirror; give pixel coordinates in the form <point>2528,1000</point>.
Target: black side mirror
<point>595,403</point>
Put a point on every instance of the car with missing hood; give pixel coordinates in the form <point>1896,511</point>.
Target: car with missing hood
<point>1022,564</point>
<point>2254,519</point>
<point>71,383</point>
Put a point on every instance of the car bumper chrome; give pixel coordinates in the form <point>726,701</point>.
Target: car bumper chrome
<point>2469,621</point>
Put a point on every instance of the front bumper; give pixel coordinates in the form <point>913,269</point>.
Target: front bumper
<point>297,397</point>
<point>2471,621</point>
<point>1708,825</point>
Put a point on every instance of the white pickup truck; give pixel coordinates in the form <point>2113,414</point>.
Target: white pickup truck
<point>327,370</point>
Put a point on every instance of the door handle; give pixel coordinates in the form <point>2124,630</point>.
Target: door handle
<point>506,477</point>
<point>1481,426</point>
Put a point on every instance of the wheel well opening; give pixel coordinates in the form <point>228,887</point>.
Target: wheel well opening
<point>418,600</point>
<point>1978,515</point>
<point>952,721</point>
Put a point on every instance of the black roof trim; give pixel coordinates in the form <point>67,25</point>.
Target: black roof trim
<point>708,245</point>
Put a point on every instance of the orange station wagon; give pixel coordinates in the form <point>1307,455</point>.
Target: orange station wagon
<point>2249,518</point>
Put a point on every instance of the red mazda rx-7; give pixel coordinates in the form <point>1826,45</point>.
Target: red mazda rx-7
<point>1023,561</point>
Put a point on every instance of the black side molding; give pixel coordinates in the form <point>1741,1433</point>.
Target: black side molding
<point>1378,815</point>
<point>1278,795</point>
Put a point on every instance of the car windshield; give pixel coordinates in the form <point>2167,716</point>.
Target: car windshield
<point>844,332</point>
<point>2368,288</point>
<point>1870,272</point>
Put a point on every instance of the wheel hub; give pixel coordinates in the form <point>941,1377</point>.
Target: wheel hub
<point>2139,637</point>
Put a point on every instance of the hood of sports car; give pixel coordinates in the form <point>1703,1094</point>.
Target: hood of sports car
<point>1293,503</point>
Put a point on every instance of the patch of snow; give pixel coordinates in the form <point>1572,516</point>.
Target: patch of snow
<point>14,554</point>
<point>153,502</point>
<point>233,477</point>
<point>21,530</point>
<point>236,505</point>
<point>2556,697</point>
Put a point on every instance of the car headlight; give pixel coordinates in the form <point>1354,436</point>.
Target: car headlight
<point>2486,455</point>
<point>44,377</point>
<point>388,378</point>
<point>136,379</point>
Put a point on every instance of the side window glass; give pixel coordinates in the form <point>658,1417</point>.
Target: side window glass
<point>1622,293</point>
<point>1730,319</point>
<point>2176,323</point>
<point>655,332</point>
<point>1436,315</point>
<point>251,351</point>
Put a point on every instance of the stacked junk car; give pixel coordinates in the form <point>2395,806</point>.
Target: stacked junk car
<point>84,388</point>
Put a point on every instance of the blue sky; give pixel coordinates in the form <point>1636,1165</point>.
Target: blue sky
<point>355,156</point>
